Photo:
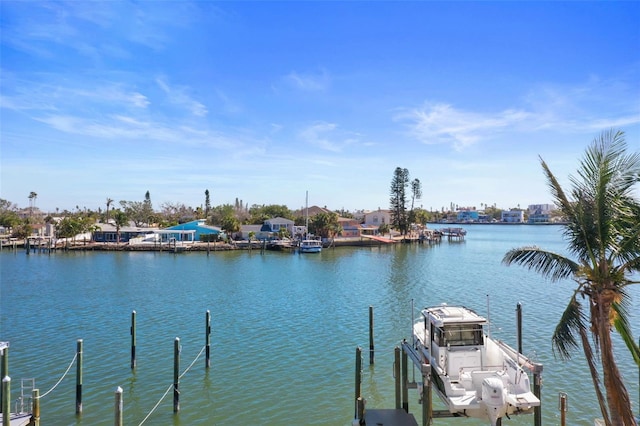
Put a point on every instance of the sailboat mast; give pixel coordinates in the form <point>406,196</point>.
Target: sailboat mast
<point>306,209</point>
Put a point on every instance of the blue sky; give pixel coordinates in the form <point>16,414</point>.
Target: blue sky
<point>264,101</point>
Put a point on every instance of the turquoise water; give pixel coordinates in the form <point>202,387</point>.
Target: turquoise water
<point>285,327</point>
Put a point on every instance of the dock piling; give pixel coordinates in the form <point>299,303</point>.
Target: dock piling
<point>207,326</point>
<point>79,377</point>
<point>4,369</point>
<point>35,415</point>
<point>405,381</point>
<point>426,394</point>
<point>133,339</point>
<point>358,387</point>
<point>176,375</point>
<point>119,406</point>
<point>371,345</point>
<point>6,400</point>
<point>396,375</point>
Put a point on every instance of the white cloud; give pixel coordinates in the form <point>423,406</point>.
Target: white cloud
<point>442,123</point>
<point>309,82</point>
<point>317,134</point>
<point>178,96</point>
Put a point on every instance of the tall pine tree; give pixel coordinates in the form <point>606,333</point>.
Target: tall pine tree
<point>398,201</point>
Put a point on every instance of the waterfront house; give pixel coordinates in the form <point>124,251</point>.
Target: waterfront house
<point>540,213</point>
<point>467,215</point>
<point>277,223</point>
<point>108,233</point>
<point>377,218</point>
<point>512,216</point>
<point>203,232</point>
<point>350,227</point>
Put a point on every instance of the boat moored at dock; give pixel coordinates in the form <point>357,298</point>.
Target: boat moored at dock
<point>473,374</point>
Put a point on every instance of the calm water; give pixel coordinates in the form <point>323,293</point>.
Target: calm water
<point>285,327</point>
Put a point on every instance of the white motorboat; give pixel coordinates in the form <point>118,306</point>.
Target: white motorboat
<point>310,246</point>
<point>473,374</point>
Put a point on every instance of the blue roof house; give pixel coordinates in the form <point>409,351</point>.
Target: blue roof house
<point>199,226</point>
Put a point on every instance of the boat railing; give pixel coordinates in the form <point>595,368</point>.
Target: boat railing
<point>522,360</point>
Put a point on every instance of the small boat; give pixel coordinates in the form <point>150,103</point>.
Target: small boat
<point>473,374</point>
<point>310,246</point>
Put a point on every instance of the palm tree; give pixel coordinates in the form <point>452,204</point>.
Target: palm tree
<point>32,202</point>
<point>603,233</point>
<point>109,202</point>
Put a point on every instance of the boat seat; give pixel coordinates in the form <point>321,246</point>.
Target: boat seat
<point>454,389</point>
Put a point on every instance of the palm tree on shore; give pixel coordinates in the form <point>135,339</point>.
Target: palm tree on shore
<point>109,202</point>
<point>603,233</point>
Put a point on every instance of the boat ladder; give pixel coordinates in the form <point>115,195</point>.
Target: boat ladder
<point>24,403</point>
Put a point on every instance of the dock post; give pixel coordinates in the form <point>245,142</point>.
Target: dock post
<point>4,371</point>
<point>6,400</point>
<point>396,375</point>
<point>119,407</point>
<point>133,339</point>
<point>405,383</point>
<point>371,346</point>
<point>79,377</point>
<point>35,415</point>
<point>426,394</point>
<point>176,375</point>
<point>519,326</point>
<point>207,326</point>
<point>563,408</point>
<point>537,391</point>
<point>358,389</point>
<point>360,416</point>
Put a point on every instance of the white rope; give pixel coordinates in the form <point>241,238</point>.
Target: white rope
<point>171,386</point>
<point>156,406</point>
<point>61,378</point>
<point>194,361</point>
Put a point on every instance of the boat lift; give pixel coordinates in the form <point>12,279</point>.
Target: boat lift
<point>407,350</point>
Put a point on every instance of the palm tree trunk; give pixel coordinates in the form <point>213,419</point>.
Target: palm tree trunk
<point>588,354</point>
<point>617,395</point>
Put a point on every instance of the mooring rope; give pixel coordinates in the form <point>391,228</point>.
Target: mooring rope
<point>157,404</point>
<point>192,363</point>
<point>61,378</point>
<point>171,386</point>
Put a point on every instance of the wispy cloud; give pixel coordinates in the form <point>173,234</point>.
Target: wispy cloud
<point>309,81</point>
<point>442,123</point>
<point>318,134</point>
<point>178,95</point>
<point>588,107</point>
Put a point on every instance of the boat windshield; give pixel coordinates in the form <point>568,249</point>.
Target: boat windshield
<point>462,335</point>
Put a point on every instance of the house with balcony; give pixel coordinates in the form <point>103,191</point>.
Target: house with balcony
<point>512,216</point>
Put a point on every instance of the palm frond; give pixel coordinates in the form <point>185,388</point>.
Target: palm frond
<point>621,323</point>
<point>550,265</point>
<point>571,323</point>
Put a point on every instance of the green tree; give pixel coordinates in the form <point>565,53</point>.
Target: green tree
<point>603,233</point>
<point>230,225</point>
<point>32,202</point>
<point>398,201</point>
<point>207,203</point>
<point>121,221</point>
<point>8,214</point>
<point>416,194</point>
<point>147,210</point>
<point>109,202</point>
<point>325,225</point>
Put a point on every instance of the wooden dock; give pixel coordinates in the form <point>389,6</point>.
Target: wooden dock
<point>389,417</point>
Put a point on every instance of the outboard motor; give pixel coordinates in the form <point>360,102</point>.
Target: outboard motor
<point>494,398</point>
